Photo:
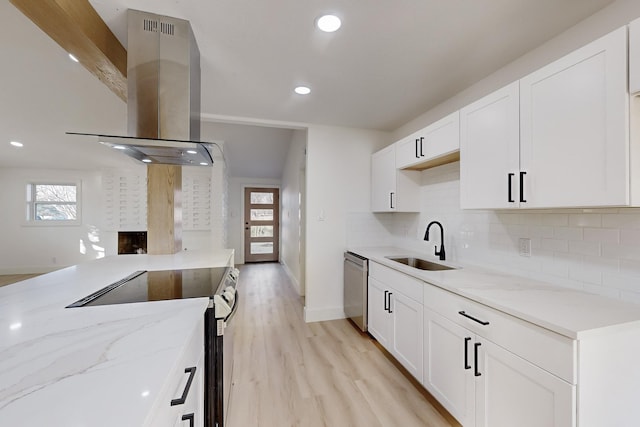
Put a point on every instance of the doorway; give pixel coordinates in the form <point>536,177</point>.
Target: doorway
<point>261,224</point>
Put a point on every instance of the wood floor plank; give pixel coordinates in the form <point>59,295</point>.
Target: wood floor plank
<point>325,374</point>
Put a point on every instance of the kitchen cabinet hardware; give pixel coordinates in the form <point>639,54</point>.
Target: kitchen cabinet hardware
<point>180,401</point>
<point>391,200</point>
<point>475,359</point>
<point>190,417</point>
<point>417,152</point>
<point>509,189</point>
<point>522,199</point>
<point>389,296</point>
<point>386,306</point>
<point>466,353</point>
<point>421,141</point>
<point>482,322</point>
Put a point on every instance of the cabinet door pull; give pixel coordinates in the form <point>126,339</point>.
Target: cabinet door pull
<point>189,417</point>
<point>386,307</point>
<point>510,193</point>
<point>185,392</point>
<point>421,153</point>
<point>417,153</point>
<point>466,353</point>
<point>391,200</point>
<point>482,322</point>
<point>475,358</point>
<point>522,199</point>
<point>390,302</point>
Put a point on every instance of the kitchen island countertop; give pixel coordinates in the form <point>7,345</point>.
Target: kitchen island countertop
<point>94,366</point>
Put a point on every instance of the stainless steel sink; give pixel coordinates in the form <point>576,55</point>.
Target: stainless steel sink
<point>421,264</point>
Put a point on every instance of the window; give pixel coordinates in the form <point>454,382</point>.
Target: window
<point>53,203</point>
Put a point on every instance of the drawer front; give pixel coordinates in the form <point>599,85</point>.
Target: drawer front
<point>413,288</point>
<point>546,349</point>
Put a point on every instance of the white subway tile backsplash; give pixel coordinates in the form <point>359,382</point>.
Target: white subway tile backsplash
<point>554,219</point>
<point>630,237</point>
<point>585,220</point>
<point>554,245</point>
<point>585,248</point>
<point>602,235</point>
<point>568,233</point>
<point>621,220</point>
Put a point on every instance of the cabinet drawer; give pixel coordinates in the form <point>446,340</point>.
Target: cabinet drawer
<point>546,349</point>
<point>399,281</point>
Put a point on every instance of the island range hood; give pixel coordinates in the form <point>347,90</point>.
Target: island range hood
<point>163,105</point>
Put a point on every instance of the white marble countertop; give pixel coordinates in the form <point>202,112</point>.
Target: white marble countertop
<point>92,366</point>
<point>569,312</point>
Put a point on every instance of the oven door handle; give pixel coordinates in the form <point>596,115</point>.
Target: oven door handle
<point>233,309</point>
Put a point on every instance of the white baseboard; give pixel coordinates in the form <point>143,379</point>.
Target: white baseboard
<point>29,270</point>
<point>320,315</point>
<point>294,280</point>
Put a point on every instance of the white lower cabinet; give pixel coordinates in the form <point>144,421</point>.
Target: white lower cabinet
<point>481,383</point>
<point>395,319</point>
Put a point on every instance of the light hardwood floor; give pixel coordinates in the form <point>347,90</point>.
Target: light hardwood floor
<point>290,373</point>
<point>8,279</point>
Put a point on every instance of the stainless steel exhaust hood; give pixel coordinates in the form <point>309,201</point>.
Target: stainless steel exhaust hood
<point>163,76</point>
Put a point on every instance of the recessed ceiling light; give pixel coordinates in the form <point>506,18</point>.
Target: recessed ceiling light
<point>17,144</point>
<point>204,164</point>
<point>73,58</point>
<point>119,147</point>
<point>328,23</point>
<point>302,90</point>
<point>192,152</point>
<point>146,160</point>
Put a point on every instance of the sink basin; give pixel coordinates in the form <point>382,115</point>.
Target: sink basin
<point>421,264</point>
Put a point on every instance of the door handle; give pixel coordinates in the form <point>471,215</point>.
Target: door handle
<point>417,153</point>
<point>509,194</point>
<point>390,302</point>
<point>475,358</point>
<point>522,174</point>
<point>482,322</point>
<point>386,307</point>
<point>391,200</point>
<point>189,417</point>
<point>466,353</point>
<point>421,153</point>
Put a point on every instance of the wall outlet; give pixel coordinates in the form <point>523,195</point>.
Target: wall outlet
<point>524,247</point>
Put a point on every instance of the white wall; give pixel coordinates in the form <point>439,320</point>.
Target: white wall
<point>236,205</point>
<point>33,249</point>
<point>614,16</point>
<point>290,253</point>
<point>338,182</point>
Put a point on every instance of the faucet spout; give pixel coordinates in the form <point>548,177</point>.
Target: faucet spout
<point>439,253</point>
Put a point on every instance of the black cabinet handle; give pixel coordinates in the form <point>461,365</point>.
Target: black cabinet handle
<point>522,174</point>
<point>417,154</point>
<point>510,195</point>
<point>185,392</point>
<point>466,353</point>
<point>421,153</point>
<point>391,199</point>
<point>189,417</point>
<point>475,358</point>
<point>386,307</point>
<point>462,313</point>
<point>390,302</point>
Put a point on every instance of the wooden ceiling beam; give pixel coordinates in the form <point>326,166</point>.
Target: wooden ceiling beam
<point>78,29</point>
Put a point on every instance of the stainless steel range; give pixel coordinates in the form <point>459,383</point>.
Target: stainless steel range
<point>220,286</point>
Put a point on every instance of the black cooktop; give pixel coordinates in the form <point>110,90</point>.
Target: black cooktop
<point>143,286</point>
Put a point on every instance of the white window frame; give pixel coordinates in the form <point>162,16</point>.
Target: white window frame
<point>31,204</point>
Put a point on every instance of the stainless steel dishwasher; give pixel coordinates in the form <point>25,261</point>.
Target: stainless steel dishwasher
<point>356,270</point>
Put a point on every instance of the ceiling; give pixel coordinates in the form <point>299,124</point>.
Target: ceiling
<point>391,61</point>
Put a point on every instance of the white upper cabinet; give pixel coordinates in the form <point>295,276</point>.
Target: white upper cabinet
<point>574,128</point>
<point>392,190</point>
<point>436,144</point>
<point>559,137</point>
<point>489,151</point>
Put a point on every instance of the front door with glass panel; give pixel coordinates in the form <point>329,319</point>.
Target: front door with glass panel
<point>261,224</point>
